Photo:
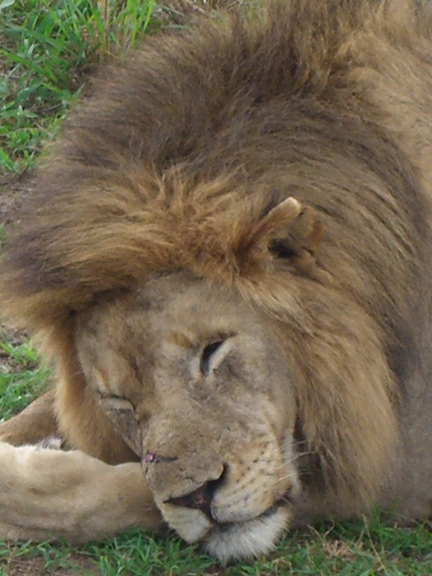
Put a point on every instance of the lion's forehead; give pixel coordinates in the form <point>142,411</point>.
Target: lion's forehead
<point>137,351</point>
<point>175,313</point>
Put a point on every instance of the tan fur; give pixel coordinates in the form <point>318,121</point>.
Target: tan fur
<point>54,494</point>
<point>264,186</point>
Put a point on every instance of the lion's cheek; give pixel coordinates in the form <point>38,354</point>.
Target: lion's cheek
<point>251,491</point>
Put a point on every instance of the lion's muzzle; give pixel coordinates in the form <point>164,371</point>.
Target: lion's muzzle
<point>225,506</point>
<point>201,498</point>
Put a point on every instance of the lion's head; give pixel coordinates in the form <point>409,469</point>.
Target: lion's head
<point>233,376</point>
<point>199,384</point>
<point>204,388</point>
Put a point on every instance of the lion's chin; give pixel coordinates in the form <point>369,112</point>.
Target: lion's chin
<point>233,540</point>
<point>248,539</point>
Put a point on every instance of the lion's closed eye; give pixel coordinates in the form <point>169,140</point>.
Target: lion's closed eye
<point>214,354</point>
<point>207,355</point>
<point>116,401</point>
<point>121,413</point>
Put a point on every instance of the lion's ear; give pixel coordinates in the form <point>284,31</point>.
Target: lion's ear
<point>291,232</point>
<point>301,236</point>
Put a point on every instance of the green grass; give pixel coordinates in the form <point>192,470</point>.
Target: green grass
<point>21,378</point>
<point>48,48</point>
<point>340,550</point>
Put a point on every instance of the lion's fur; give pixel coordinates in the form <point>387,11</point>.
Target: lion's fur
<point>181,158</point>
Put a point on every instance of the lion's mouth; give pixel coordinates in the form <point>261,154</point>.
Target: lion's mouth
<point>201,500</point>
<point>241,537</point>
<point>213,525</point>
<point>226,526</point>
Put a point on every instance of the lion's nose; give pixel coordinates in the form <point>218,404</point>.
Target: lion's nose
<point>201,498</point>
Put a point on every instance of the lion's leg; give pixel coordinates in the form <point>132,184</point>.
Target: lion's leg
<point>51,493</point>
<point>33,424</point>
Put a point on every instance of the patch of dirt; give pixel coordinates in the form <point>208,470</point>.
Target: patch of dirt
<point>34,565</point>
<point>14,191</point>
<point>12,335</point>
<point>9,365</point>
<point>339,549</point>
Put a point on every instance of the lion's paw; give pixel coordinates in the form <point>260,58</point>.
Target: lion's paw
<point>50,443</point>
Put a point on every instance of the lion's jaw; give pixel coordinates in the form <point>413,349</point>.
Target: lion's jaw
<point>200,389</point>
<point>246,516</point>
<point>234,540</point>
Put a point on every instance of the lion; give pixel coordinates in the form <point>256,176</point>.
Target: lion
<point>227,263</point>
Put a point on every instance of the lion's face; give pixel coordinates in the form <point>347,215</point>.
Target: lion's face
<point>199,386</point>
